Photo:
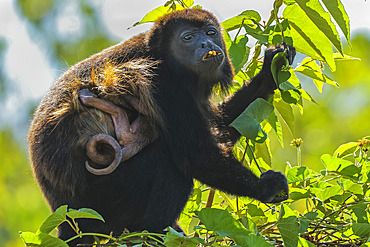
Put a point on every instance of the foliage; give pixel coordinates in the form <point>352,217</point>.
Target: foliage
<point>336,198</point>
<point>336,213</point>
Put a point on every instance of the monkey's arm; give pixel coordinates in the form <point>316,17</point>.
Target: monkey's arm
<point>260,86</point>
<point>227,174</point>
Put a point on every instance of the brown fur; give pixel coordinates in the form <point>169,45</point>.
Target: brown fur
<point>111,81</point>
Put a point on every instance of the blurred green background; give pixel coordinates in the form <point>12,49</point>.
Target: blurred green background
<point>65,32</point>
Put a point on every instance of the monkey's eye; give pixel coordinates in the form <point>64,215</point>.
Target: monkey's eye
<point>187,37</point>
<point>211,32</point>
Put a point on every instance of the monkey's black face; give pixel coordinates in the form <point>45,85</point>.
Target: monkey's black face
<point>200,49</point>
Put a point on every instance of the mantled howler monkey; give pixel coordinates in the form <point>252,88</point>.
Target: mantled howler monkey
<point>151,95</point>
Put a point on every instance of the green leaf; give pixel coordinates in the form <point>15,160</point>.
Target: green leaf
<point>340,166</point>
<point>286,112</point>
<point>248,16</point>
<point>291,96</point>
<point>239,52</point>
<point>84,213</point>
<point>297,174</point>
<point>253,210</point>
<point>288,226</point>
<point>263,154</point>
<point>329,192</point>
<point>352,187</point>
<point>361,229</point>
<point>303,224</point>
<point>187,3</point>
<point>305,243</point>
<point>248,122</point>
<point>322,20</point>
<point>278,65</point>
<point>251,240</point>
<point>221,221</point>
<point>306,96</point>
<point>310,68</point>
<point>345,150</point>
<point>275,124</point>
<point>54,220</point>
<point>176,239</point>
<point>42,240</point>
<point>297,193</point>
<point>311,215</point>
<point>338,56</point>
<point>360,215</point>
<point>307,38</point>
<point>155,14</point>
<point>336,9</point>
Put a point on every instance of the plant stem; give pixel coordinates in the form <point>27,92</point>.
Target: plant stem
<point>254,158</point>
<point>91,234</point>
<point>240,28</point>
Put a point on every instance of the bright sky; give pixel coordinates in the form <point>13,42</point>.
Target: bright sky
<point>31,74</point>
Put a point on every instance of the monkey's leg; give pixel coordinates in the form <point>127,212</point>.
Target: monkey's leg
<point>120,120</point>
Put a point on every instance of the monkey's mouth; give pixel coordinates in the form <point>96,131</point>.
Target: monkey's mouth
<point>211,54</point>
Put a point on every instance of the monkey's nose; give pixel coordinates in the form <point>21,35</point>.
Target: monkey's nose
<point>202,45</point>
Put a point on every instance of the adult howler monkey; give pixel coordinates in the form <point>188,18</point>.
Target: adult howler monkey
<point>163,79</point>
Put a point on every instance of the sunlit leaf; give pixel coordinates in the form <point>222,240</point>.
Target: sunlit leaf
<point>54,220</point>
<point>188,3</point>
<point>42,240</point>
<point>328,192</point>
<point>306,96</point>
<point>322,20</point>
<point>310,68</point>
<point>237,21</point>
<point>340,166</point>
<point>286,113</point>
<point>307,38</point>
<point>275,124</point>
<point>352,187</point>
<point>305,243</point>
<point>339,57</point>
<point>155,14</point>
<point>297,174</point>
<point>345,150</point>
<point>263,154</point>
<point>336,9</point>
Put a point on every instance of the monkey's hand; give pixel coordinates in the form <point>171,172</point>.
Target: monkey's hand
<point>273,187</point>
<point>272,51</point>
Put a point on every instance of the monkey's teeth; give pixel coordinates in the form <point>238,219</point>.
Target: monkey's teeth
<point>211,54</point>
